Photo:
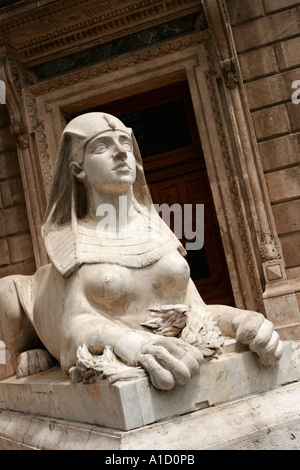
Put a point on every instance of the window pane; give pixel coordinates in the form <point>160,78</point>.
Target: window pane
<point>161,128</point>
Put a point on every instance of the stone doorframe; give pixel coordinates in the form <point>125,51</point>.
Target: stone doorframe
<point>208,61</point>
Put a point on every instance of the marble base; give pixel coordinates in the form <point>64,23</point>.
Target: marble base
<point>133,404</point>
<point>267,421</point>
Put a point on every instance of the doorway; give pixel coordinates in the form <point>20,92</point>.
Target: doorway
<point>164,124</point>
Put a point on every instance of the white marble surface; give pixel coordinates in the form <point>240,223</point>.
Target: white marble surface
<point>133,404</point>
<point>267,421</point>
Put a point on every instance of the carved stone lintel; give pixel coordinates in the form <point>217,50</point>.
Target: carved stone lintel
<point>229,71</point>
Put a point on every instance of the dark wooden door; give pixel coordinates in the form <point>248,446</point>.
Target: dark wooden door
<point>164,125</point>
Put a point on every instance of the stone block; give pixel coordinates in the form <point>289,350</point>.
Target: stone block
<point>12,192</point>
<point>271,122</point>
<point>291,250</point>
<point>20,248</point>
<point>9,164</point>
<point>287,217</point>
<point>13,220</point>
<point>26,268</point>
<point>284,184</point>
<point>280,152</point>
<point>268,421</point>
<point>281,309</point>
<point>294,114</point>
<point>274,5</point>
<point>135,403</point>
<point>266,30</point>
<point>274,272</point>
<point>7,140</point>
<point>287,53</point>
<point>257,63</point>
<point>4,253</point>
<point>240,12</point>
<point>271,90</point>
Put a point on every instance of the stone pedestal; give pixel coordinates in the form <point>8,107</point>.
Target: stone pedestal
<point>46,411</point>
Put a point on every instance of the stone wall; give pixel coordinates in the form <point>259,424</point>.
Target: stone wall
<point>16,252</point>
<point>267,38</point>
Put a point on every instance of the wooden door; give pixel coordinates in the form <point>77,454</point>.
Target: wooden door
<point>164,125</point>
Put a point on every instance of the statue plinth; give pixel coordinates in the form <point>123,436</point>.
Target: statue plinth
<point>132,404</point>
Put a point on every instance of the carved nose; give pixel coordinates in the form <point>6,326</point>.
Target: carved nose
<point>120,152</point>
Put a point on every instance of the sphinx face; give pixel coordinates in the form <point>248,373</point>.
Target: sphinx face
<point>109,162</point>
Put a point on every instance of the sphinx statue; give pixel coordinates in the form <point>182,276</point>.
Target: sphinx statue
<point>120,291</point>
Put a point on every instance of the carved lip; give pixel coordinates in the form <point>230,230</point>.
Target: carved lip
<point>122,165</point>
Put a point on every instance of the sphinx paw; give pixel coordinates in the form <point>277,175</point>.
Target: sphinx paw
<point>34,361</point>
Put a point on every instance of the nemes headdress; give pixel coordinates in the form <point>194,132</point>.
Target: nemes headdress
<point>65,247</point>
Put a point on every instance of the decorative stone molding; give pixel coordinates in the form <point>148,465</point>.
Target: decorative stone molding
<point>97,23</point>
<point>252,297</point>
<point>264,242</point>
<point>11,72</point>
<point>242,134</point>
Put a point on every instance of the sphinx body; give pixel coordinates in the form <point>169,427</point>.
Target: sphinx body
<point>130,293</point>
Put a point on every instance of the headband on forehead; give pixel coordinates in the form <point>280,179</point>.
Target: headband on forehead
<point>87,126</point>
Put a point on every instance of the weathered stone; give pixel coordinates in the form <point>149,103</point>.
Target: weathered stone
<point>135,403</point>
<point>287,217</point>
<point>284,184</point>
<point>280,152</point>
<point>271,122</point>
<point>294,114</point>
<point>13,220</point>
<point>266,421</point>
<point>20,248</point>
<point>12,192</point>
<point>268,29</point>
<point>270,90</point>
<point>287,53</point>
<point>258,63</point>
<point>4,252</point>
<point>9,165</point>
<point>240,12</point>
<point>291,250</point>
<point>274,5</point>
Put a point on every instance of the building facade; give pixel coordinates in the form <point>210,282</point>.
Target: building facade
<point>211,90</point>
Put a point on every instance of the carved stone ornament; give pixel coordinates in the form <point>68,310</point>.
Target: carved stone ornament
<point>270,249</point>
<point>117,300</point>
<point>229,71</point>
<point>20,131</point>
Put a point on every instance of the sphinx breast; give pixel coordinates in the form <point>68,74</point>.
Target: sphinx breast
<point>105,282</point>
<point>120,290</point>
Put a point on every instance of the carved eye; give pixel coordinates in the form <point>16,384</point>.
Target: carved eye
<point>127,146</point>
<point>101,147</point>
